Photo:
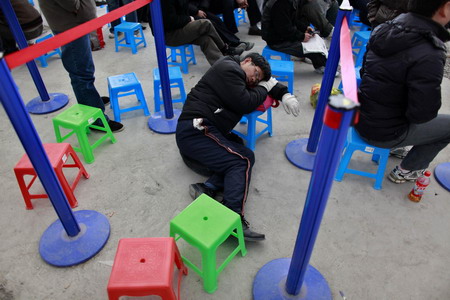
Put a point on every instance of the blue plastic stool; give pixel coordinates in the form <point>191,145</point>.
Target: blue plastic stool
<point>176,81</point>
<point>130,40</point>
<point>355,22</point>
<point>283,70</point>
<point>125,85</point>
<point>358,80</point>
<point>359,42</point>
<point>268,53</point>
<point>186,54</point>
<point>379,155</point>
<point>251,135</point>
<point>239,15</point>
<point>43,58</point>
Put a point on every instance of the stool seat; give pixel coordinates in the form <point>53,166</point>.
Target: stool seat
<point>144,266</point>
<point>283,71</point>
<point>379,155</point>
<point>43,58</point>
<point>186,54</point>
<point>58,155</point>
<point>78,119</point>
<point>269,53</point>
<point>130,39</point>
<point>175,80</point>
<point>252,134</point>
<point>206,224</point>
<point>125,85</point>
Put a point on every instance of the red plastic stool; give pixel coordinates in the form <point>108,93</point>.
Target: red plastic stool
<point>144,266</point>
<point>58,155</point>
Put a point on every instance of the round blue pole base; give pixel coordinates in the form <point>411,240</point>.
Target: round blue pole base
<point>297,154</point>
<point>158,122</point>
<point>442,174</point>
<point>270,283</point>
<point>60,250</point>
<point>38,106</point>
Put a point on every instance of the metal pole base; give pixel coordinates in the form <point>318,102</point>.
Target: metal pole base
<point>39,107</point>
<point>60,250</point>
<point>297,154</point>
<point>270,283</point>
<point>158,122</point>
<point>442,174</point>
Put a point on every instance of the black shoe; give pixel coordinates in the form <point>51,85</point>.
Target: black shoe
<point>249,235</point>
<point>228,50</point>
<point>197,189</point>
<point>105,100</point>
<point>254,30</point>
<point>115,126</point>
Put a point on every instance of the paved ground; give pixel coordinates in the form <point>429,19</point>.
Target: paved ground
<point>371,245</point>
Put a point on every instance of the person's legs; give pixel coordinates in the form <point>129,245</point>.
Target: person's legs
<point>112,5</point>
<point>315,12</point>
<point>131,17</point>
<point>226,8</point>
<point>76,57</point>
<point>296,49</point>
<point>332,12</point>
<point>226,35</point>
<point>253,12</point>
<point>199,32</point>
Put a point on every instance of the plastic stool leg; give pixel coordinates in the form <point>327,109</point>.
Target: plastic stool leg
<point>380,172</point>
<point>156,89</point>
<point>269,121</point>
<point>345,160</point>
<point>141,98</point>
<point>114,100</point>
<point>85,147</point>
<point>251,133</point>
<point>23,188</point>
<point>209,271</point>
<point>66,188</point>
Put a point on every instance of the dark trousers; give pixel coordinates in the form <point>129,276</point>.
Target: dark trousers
<point>226,8</point>
<point>231,162</point>
<point>296,49</point>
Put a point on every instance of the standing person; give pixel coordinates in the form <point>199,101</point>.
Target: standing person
<point>380,11</point>
<point>400,92</point>
<point>284,32</point>
<point>181,28</point>
<point>131,17</point>
<point>228,90</point>
<point>76,55</point>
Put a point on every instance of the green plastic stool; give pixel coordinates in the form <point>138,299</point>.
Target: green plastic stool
<point>79,118</point>
<point>206,224</point>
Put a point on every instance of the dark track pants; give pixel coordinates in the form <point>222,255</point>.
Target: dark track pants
<point>231,162</point>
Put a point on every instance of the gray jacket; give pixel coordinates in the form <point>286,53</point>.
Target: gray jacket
<point>65,14</point>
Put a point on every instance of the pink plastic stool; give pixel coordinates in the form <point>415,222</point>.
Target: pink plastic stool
<point>144,266</point>
<point>58,155</point>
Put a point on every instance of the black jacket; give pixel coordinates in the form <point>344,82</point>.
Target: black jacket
<point>222,96</point>
<point>175,14</point>
<point>280,23</point>
<point>401,76</point>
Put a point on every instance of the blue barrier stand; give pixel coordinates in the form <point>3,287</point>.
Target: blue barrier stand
<point>164,121</point>
<point>294,278</point>
<point>75,237</point>
<point>45,103</point>
<point>302,152</point>
<point>442,174</point>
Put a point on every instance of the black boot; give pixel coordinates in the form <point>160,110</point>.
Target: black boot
<point>197,189</point>
<point>249,235</point>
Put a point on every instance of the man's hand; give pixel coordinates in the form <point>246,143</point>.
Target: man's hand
<point>308,36</point>
<point>201,14</point>
<point>290,104</point>
<point>268,84</point>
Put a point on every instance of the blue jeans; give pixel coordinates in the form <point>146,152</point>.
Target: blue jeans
<point>115,4</point>
<point>77,60</point>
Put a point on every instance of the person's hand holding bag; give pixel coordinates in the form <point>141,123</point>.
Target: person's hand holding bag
<point>290,104</point>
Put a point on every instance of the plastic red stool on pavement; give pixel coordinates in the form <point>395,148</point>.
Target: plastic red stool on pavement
<point>144,266</point>
<point>58,155</point>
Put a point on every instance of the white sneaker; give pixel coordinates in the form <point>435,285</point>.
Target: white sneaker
<point>111,34</point>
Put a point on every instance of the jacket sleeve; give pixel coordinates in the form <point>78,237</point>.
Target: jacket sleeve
<point>278,91</point>
<point>424,90</point>
<point>172,20</point>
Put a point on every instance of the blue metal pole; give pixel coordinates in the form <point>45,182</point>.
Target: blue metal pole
<point>327,81</point>
<point>337,120</point>
<point>15,109</point>
<point>160,43</point>
<point>14,25</point>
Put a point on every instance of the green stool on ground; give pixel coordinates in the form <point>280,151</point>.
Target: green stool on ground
<point>206,224</point>
<point>79,119</point>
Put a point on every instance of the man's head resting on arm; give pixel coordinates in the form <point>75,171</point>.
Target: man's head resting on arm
<point>256,68</point>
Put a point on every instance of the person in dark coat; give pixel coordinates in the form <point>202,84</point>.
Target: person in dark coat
<point>380,11</point>
<point>400,90</point>
<point>228,90</point>
<point>181,28</point>
<point>361,5</point>
<point>284,32</point>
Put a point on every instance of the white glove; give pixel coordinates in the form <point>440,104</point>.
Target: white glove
<point>290,104</point>
<point>268,84</point>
